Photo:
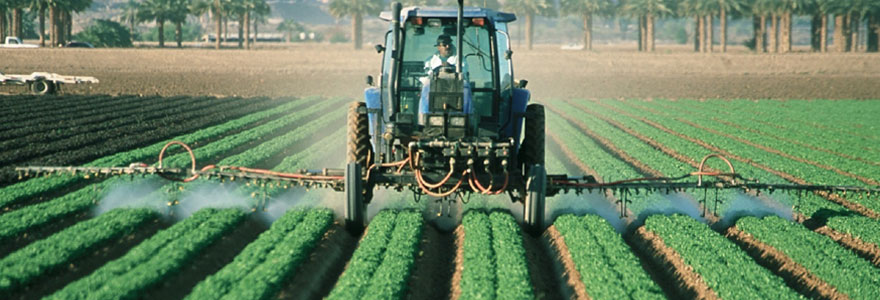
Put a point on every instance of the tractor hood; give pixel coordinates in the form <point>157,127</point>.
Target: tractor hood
<point>445,12</point>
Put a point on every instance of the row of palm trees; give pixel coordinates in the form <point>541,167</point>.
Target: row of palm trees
<point>59,18</point>
<point>246,12</point>
<point>772,19</point>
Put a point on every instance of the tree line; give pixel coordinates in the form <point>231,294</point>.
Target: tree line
<point>772,19</point>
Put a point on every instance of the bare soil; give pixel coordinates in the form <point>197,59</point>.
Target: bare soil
<point>574,287</point>
<point>337,70</point>
<point>317,276</point>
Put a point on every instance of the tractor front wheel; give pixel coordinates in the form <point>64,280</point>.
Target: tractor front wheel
<point>533,209</point>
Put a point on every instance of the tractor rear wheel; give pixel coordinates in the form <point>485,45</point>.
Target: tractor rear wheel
<point>359,157</point>
<point>359,148</point>
<point>533,209</point>
<point>531,152</point>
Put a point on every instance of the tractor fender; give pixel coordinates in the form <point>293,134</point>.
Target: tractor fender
<point>518,104</point>
<point>373,98</point>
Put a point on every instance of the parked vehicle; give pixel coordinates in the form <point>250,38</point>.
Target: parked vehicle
<point>15,42</point>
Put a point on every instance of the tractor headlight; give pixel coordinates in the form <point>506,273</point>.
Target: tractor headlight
<point>435,121</point>
<point>457,121</point>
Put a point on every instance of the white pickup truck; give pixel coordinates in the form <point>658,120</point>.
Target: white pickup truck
<point>42,83</point>
<point>15,42</point>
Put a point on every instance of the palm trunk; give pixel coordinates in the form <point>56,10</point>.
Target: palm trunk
<point>649,19</point>
<point>357,23</point>
<point>873,32</point>
<point>16,22</point>
<point>218,20</point>
<point>178,33</point>
<point>642,34</point>
<point>697,38</point>
<point>760,34</point>
<point>701,25</point>
<point>823,35</point>
<point>710,32</point>
<point>840,33</point>
<point>68,26</point>
<point>774,33</point>
<point>256,32</point>
<point>530,30</point>
<point>815,23</point>
<point>247,29</point>
<point>588,32</point>
<point>131,28</point>
<point>240,31</point>
<point>160,23</point>
<point>785,33</point>
<point>42,33</point>
<point>855,25</point>
<point>2,24</point>
<point>225,29</point>
<point>53,26</point>
<point>723,20</point>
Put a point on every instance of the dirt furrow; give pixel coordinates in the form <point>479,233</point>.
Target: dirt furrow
<point>864,249</point>
<point>568,273</point>
<point>793,273</point>
<point>434,266</point>
<point>316,277</point>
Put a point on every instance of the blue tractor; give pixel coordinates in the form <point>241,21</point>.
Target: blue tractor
<point>443,126</point>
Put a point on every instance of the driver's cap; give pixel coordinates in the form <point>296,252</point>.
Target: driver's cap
<point>444,39</point>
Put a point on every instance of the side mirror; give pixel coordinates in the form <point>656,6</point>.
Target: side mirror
<point>522,83</point>
<point>379,48</point>
<point>370,80</point>
<point>508,54</point>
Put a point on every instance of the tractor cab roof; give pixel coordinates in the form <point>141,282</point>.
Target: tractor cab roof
<point>445,12</point>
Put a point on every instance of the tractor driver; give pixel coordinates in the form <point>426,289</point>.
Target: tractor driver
<point>443,60</point>
<point>445,56</point>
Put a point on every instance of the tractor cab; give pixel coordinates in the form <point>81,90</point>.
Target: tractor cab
<point>446,117</point>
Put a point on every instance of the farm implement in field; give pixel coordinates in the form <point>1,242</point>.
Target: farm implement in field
<point>455,125</point>
<point>42,83</point>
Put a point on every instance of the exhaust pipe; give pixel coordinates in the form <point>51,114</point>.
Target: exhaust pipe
<point>458,33</point>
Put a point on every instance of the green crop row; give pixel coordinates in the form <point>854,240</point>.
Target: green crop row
<point>809,203</point>
<point>851,166</point>
<point>389,281</point>
<point>29,263</point>
<point>366,258</point>
<point>819,254</point>
<point>20,191</point>
<point>725,268</point>
<point>832,124</point>
<point>849,139</point>
<point>219,284</point>
<point>266,279</point>
<point>644,153</point>
<point>18,221</point>
<point>151,261</point>
<point>606,265</point>
<point>494,263</point>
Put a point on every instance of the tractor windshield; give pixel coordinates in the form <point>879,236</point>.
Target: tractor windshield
<point>420,42</point>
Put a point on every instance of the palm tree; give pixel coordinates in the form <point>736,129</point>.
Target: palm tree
<point>3,7</point>
<point>724,7</point>
<point>586,9</point>
<point>177,13</point>
<point>356,9</point>
<point>646,11</point>
<point>819,24</point>
<point>530,9</point>
<point>40,6</point>
<point>261,15</point>
<point>17,7</point>
<point>289,27</point>
<point>130,15</point>
<point>159,11</point>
